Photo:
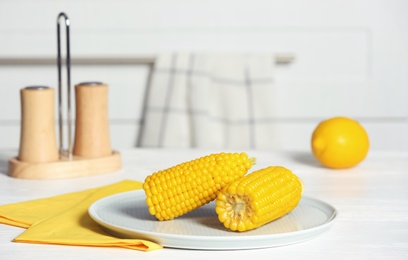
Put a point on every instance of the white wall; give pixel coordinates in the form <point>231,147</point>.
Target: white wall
<point>351,57</point>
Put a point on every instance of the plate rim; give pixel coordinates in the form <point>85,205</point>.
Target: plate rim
<point>313,231</point>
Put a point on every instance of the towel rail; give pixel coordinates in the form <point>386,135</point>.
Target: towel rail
<point>280,59</point>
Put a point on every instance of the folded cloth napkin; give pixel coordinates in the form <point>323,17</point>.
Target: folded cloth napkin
<point>64,219</point>
<point>211,100</point>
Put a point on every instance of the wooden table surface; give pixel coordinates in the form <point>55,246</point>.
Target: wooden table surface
<point>372,201</point>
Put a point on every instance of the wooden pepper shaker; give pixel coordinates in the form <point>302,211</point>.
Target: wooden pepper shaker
<point>92,120</point>
<point>38,141</point>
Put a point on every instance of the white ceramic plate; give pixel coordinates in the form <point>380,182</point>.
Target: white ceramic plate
<point>126,215</point>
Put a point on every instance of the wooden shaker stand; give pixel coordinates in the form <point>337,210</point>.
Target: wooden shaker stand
<point>38,156</point>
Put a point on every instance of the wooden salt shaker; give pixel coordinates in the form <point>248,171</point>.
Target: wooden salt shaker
<point>92,120</point>
<point>38,141</point>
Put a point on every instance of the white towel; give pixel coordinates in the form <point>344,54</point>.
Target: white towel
<point>210,100</point>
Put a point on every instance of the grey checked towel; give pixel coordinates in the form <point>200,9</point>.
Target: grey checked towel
<point>210,100</point>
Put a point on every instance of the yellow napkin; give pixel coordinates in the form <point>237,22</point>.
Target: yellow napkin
<point>64,219</point>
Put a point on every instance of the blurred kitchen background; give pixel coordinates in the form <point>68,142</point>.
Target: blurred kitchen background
<point>350,57</point>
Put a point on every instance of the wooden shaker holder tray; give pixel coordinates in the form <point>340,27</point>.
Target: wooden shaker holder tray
<point>65,168</point>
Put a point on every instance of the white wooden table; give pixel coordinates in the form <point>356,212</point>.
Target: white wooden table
<point>372,200</point>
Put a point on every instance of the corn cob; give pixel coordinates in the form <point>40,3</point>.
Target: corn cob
<point>182,188</point>
<point>258,198</point>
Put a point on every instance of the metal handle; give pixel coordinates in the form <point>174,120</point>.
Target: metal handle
<point>68,67</point>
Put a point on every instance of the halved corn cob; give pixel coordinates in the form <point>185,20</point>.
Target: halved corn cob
<point>182,188</point>
<point>258,198</point>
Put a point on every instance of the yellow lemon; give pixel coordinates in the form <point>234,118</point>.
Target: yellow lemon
<point>340,142</point>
